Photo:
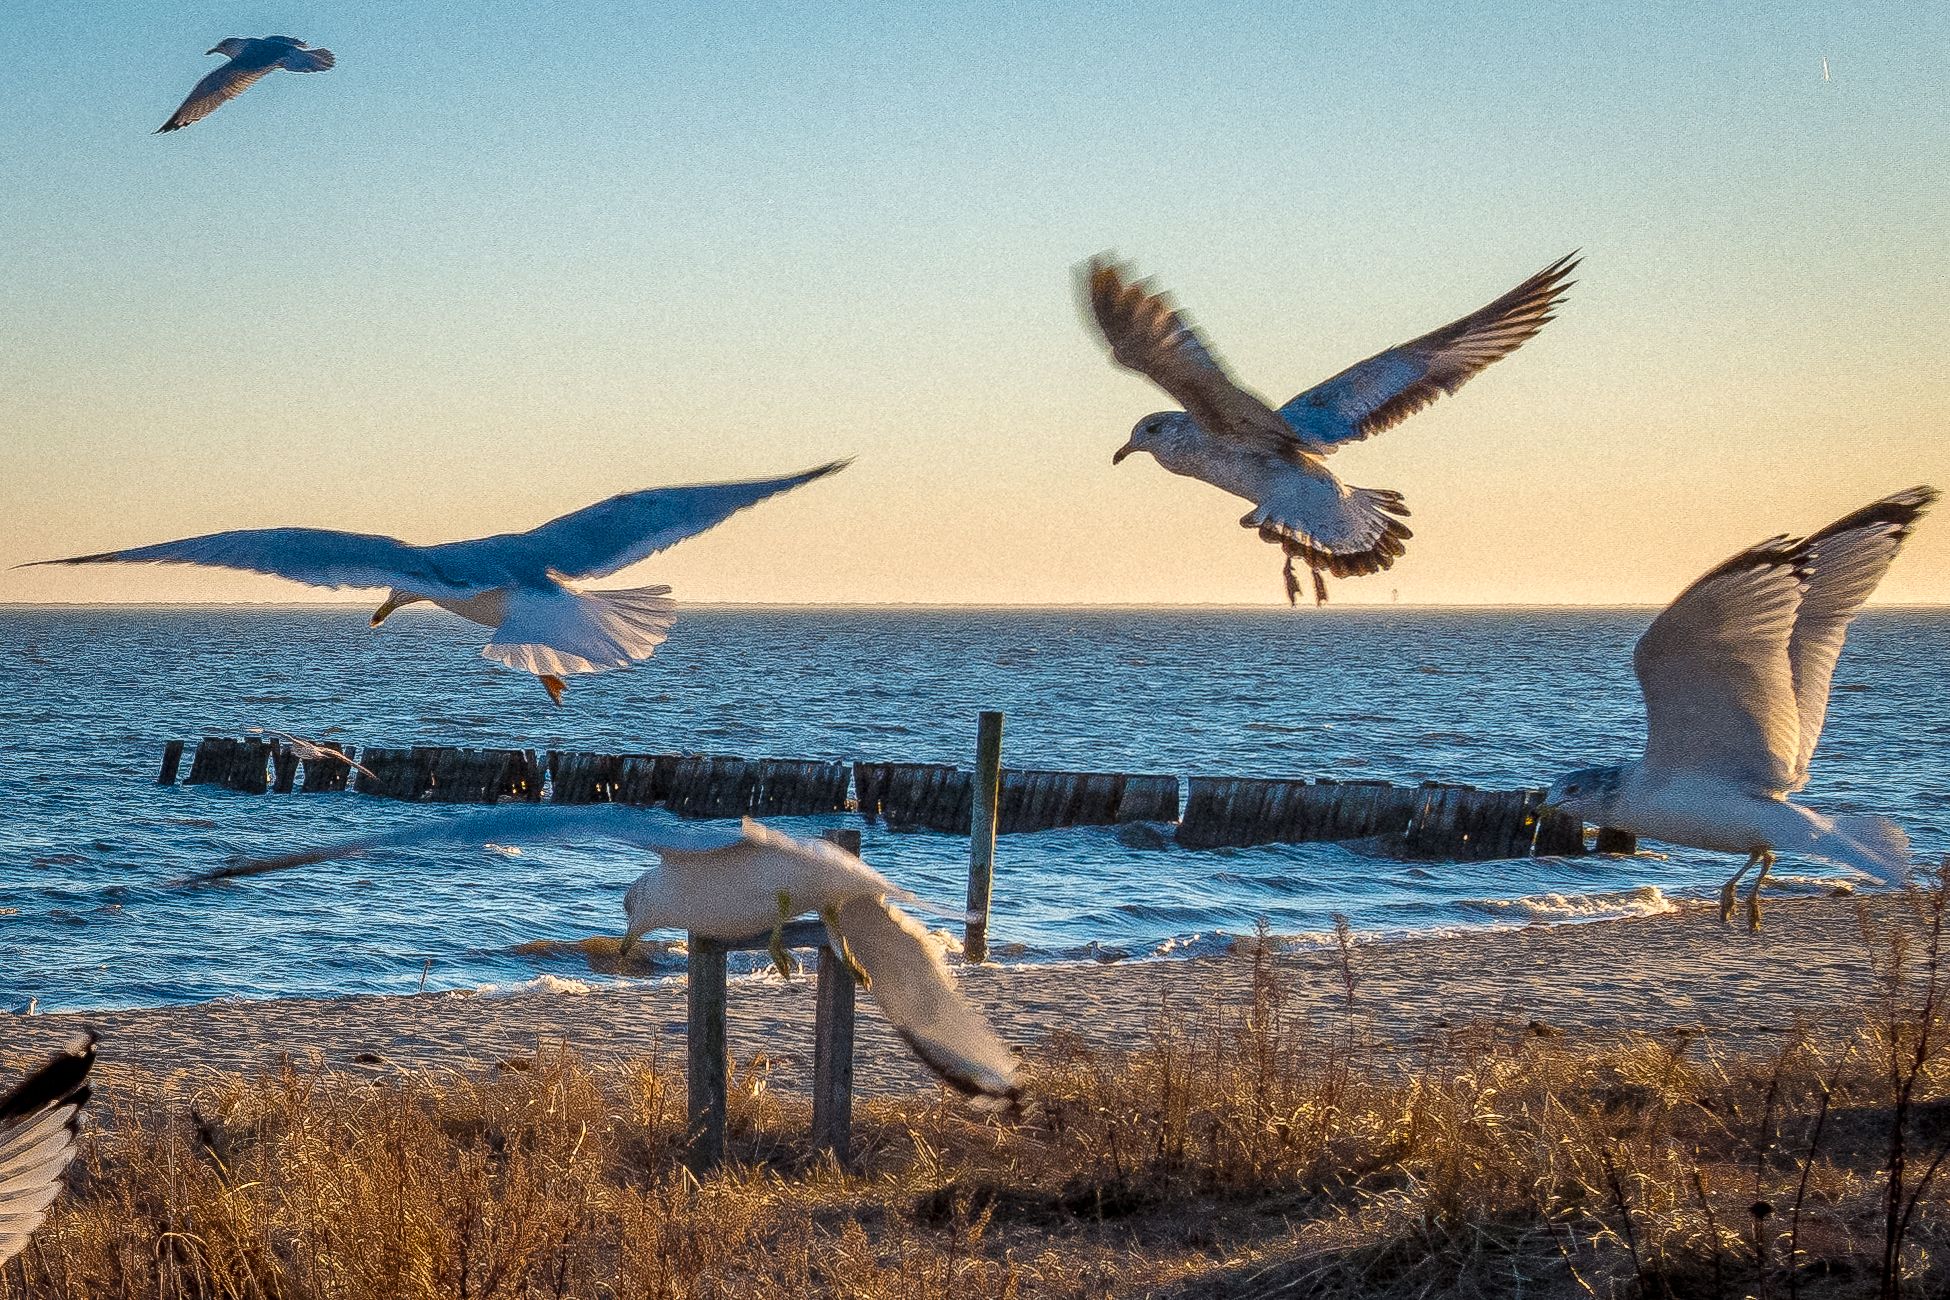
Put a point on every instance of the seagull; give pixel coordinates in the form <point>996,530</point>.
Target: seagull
<point>39,1121</point>
<point>1735,675</point>
<point>250,58</point>
<point>1231,438</point>
<point>519,584</point>
<point>733,884</point>
<point>310,750</point>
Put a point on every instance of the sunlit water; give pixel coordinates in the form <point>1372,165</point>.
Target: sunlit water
<point>89,844</point>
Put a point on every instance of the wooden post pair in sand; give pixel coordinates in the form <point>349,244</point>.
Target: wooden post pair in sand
<point>706,1070</point>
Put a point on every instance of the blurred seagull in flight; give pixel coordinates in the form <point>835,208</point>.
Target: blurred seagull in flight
<point>1231,438</point>
<point>39,1121</point>
<point>1735,675</point>
<point>250,58</point>
<point>734,883</point>
<point>519,584</point>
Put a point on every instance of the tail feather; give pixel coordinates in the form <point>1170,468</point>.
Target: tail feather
<point>1873,845</point>
<point>563,632</point>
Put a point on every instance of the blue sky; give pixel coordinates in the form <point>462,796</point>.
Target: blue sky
<point>507,259</point>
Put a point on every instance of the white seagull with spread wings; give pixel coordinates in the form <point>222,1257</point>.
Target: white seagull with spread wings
<point>519,584</point>
<point>1735,675</point>
<point>724,883</point>
<point>1233,439</point>
<point>39,1120</point>
<point>251,57</point>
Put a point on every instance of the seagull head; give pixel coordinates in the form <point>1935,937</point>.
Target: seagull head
<point>1588,792</point>
<point>394,599</point>
<point>230,47</point>
<point>642,904</point>
<point>1147,434</point>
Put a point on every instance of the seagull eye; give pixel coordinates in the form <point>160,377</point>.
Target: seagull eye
<point>1570,789</point>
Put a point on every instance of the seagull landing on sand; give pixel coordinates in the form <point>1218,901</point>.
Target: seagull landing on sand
<point>735,883</point>
<point>250,58</point>
<point>38,1123</point>
<point>1735,674</point>
<point>519,584</point>
<point>1231,438</point>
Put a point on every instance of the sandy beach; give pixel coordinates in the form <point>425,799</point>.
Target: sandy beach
<point>1681,970</point>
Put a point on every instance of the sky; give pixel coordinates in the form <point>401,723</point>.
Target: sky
<point>508,259</point>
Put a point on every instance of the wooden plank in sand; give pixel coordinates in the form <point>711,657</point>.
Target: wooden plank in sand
<point>705,1055</point>
<point>834,993</point>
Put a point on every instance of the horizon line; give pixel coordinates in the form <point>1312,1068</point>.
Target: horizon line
<point>925,605</point>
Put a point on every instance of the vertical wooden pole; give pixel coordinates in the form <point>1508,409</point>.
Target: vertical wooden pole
<point>285,764</point>
<point>832,1117</point>
<point>705,1073</point>
<point>172,759</point>
<point>981,835</point>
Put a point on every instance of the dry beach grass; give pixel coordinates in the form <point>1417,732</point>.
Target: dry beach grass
<point>1301,1136</point>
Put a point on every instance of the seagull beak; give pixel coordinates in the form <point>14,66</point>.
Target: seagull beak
<point>208,53</point>
<point>627,945</point>
<point>1122,452</point>
<point>380,615</point>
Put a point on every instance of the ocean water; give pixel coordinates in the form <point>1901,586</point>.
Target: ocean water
<point>90,845</point>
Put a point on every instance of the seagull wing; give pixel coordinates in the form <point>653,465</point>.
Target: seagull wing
<point>303,60</point>
<point>1719,691</point>
<point>616,533</point>
<point>515,823</point>
<point>322,557</point>
<point>213,92</point>
<point>1148,335</point>
<point>913,986</point>
<point>1387,388</point>
<point>1845,562</point>
<point>39,1121</point>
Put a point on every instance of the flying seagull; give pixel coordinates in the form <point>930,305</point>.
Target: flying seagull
<point>731,884</point>
<point>1735,674</point>
<point>250,58</point>
<point>1230,437</point>
<point>39,1121</point>
<point>519,584</point>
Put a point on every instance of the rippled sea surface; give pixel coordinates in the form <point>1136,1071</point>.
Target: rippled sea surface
<point>89,844</point>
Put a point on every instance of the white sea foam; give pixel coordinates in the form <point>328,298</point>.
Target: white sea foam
<point>1646,900</point>
<point>540,984</point>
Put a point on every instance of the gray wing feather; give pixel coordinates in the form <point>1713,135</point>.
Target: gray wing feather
<point>39,1120</point>
<point>616,533</point>
<point>520,823</point>
<point>1719,692</point>
<point>322,557</point>
<point>1387,388</point>
<point>213,92</point>
<point>1845,562</point>
<point>913,986</point>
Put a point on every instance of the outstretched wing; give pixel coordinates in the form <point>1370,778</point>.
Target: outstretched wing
<point>913,986</point>
<point>213,92</point>
<point>39,1121</point>
<point>616,533</point>
<point>1387,388</point>
<point>1719,691</point>
<point>515,823</point>
<point>1148,335</point>
<point>303,60</point>
<point>1845,561</point>
<point>322,557</point>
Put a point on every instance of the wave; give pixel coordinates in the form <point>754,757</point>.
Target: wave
<point>1646,900</point>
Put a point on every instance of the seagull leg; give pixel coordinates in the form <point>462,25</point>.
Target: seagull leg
<point>1292,583</point>
<point>1727,890</point>
<point>554,686</point>
<point>1320,588</point>
<point>843,951</point>
<point>776,949</point>
<point>1753,895</point>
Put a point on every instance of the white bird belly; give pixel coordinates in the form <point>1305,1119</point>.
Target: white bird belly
<point>1231,468</point>
<point>487,609</point>
<point>1705,814</point>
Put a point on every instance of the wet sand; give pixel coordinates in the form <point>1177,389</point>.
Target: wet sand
<point>1678,971</point>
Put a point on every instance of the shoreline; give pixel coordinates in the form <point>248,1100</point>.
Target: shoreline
<point>1678,971</point>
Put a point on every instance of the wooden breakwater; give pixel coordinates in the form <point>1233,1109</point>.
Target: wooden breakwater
<point>1433,820</point>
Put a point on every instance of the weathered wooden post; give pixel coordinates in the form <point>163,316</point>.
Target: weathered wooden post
<point>981,835</point>
<point>704,1149</point>
<point>1611,840</point>
<point>832,1115</point>
<point>172,759</point>
<point>284,760</point>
